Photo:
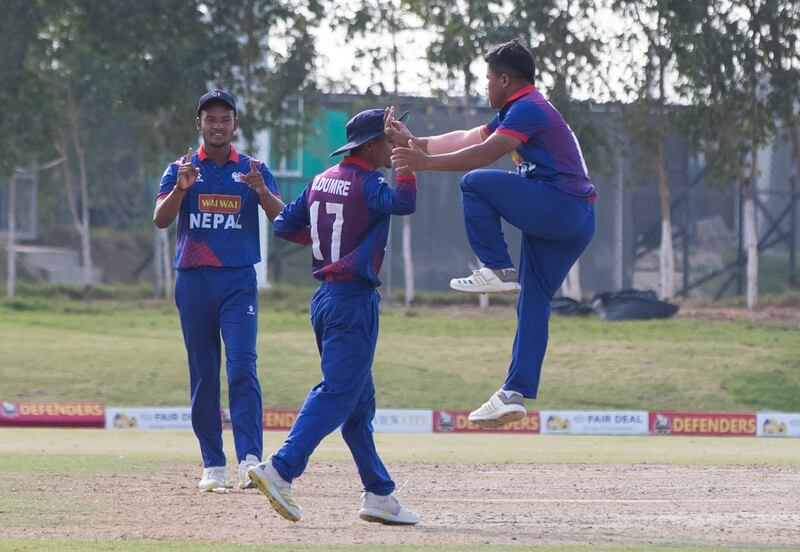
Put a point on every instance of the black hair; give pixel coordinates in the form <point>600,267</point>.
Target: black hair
<point>512,58</point>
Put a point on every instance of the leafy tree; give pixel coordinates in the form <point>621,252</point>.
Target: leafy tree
<point>267,51</point>
<point>719,54</point>
<point>648,118</point>
<point>374,20</point>
<point>463,29</point>
<point>97,58</point>
<point>26,103</point>
<point>781,57</point>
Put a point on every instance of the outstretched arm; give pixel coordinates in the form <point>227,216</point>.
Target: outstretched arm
<point>465,159</point>
<point>442,143</point>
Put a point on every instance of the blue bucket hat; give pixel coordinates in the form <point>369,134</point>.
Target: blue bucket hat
<point>364,127</point>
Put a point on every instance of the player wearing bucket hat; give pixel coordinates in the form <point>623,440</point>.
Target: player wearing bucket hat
<point>364,127</point>
<point>344,215</point>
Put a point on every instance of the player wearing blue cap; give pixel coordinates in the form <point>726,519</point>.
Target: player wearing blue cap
<point>344,215</point>
<point>549,198</point>
<point>215,194</point>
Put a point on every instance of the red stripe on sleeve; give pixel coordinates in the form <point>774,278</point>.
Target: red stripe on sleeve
<point>513,133</point>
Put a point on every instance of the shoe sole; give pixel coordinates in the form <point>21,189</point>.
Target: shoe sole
<point>383,521</point>
<point>277,505</point>
<point>211,488</point>
<point>512,288</point>
<point>500,421</point>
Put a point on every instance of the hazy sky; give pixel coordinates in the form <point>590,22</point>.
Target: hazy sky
<point>337,56</point>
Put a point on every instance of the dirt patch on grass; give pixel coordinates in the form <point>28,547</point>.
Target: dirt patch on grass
<point>521,504</point>
<point>781,314</point>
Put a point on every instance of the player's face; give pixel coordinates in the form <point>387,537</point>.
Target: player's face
<point>382,149</point>
<point>495,88</point>
<point>217,123</point>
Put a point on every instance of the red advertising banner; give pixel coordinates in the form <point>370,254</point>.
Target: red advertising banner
<point>279,419</point>
<point>457,421</point>
<point>702,423</point>
<point>47,414</point>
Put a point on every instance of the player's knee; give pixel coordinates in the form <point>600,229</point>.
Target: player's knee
<point>467,182</point>
<point>241,368</point>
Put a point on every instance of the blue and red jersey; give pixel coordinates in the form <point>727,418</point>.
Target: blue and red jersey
<point>344,215</point>
<point>549,150</point>
<point>218,218</point>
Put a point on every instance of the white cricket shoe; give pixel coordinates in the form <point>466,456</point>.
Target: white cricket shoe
<point>486,280</point>
<point>385,509</point>
<point>279,492</point>
<point>213,478</point>
<point>499,411</point>
<point>244,480</point>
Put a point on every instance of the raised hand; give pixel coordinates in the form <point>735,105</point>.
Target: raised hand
<point>254,179</point>
<point>407,159</point>
<point>187,173</point>
<point>396,130</point>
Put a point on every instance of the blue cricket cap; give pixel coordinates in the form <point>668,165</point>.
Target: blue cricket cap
<point>364,127</point>
<point>216,96</point>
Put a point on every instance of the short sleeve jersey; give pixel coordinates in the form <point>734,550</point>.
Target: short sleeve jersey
<point>548,146</point>
<point>344,215</point>
<point>218,217</point>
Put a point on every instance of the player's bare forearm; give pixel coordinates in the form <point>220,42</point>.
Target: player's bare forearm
<point>451,141</point>
<point>167,208</point>
<point>465,159</point>
<point>271,204</point>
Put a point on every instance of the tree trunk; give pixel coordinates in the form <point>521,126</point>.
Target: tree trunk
<point>12,237</point>
<point>666,259</point>
<point>83,224</point>
<point>408,262</point>
<point>795,139</point>
<point>751,242</point>
<point>572,284</point>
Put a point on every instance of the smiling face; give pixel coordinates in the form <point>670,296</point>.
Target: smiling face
<point>217,123</point>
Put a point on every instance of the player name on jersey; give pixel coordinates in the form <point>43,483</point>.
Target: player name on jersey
<point>331,186</point>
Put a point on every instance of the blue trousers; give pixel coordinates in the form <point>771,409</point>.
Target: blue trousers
<point>556,228</point>
<point>345,320</point>
<point>214,301</point>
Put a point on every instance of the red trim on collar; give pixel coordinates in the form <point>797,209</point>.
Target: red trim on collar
<point>233,155</point>
<point>519,93</point>
<point>352,160</point>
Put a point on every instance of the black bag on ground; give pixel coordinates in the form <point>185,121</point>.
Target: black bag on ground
<point>564,306</point>
<point>631,304</point>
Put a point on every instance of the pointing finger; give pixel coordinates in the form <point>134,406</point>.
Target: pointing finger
<point>253,167</point>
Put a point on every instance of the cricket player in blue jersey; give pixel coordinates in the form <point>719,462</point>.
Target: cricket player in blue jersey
<point>215,194</point>
<point>549,198</point>
<point>344,215</point>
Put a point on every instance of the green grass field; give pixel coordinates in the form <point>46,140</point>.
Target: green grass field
<point>131,353</point>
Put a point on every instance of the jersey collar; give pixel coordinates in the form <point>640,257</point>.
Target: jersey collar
<point>352,160</point>
<point>232,156</point>
<point>519,93</point>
